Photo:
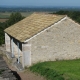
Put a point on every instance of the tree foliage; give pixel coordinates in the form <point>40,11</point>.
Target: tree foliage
<point>14,18</point>
<point>75,15</point>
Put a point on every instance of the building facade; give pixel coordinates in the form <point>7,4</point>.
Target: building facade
<point>56,40</point>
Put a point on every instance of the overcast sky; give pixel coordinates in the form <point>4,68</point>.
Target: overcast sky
<point>40,3</point>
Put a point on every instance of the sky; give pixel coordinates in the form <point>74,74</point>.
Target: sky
<point>39,3</point>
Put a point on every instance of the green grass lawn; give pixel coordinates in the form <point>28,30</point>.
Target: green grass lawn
<point>4,16</point>
<point>69,69</point>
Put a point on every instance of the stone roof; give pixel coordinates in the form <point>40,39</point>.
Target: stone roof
<point>32,25</point>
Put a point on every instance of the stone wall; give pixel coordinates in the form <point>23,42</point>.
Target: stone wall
<point>26,48</point>
<point>5,72</point>
<point>60,42</point>
<point>15,49</point>
<point>7,42</point>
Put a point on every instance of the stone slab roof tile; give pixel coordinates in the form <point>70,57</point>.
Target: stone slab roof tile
<point>32,25</point>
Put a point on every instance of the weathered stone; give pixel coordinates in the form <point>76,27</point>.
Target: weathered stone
<point>60,42</point>
<point>6,73</point>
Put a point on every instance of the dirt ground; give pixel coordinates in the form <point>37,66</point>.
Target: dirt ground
<point>23,75</point>
<point>3,20</point>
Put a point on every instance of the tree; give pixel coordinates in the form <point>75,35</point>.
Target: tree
<point>14,18</point>
<point>75,15</point>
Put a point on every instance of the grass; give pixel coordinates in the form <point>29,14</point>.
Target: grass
<point>5,15</point>
<point>69,69</point>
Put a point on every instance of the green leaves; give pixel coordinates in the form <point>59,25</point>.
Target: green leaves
<point>14,18</point>
<point>75,15</point>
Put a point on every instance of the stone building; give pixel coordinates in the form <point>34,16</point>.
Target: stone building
<point>43,37</point>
